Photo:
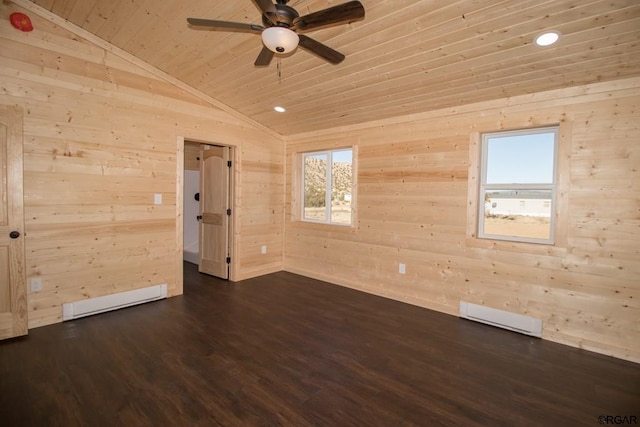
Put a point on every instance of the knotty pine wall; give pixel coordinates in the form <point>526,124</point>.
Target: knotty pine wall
<point>412,207</point>
<point>100,138</point>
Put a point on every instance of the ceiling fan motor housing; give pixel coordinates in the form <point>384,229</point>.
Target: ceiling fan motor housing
<point>284,18</point>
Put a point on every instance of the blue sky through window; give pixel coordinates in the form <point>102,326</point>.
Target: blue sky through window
<point>521,159</point>
<point>343,156</point>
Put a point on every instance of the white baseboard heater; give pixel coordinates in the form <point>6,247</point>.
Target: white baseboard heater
<point>502,319</point>
<point>88,307</point>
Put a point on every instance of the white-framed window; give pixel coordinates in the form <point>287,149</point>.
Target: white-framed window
<point>327,186</point>
<point>517,195</point>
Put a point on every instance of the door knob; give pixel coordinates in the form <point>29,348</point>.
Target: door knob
<point>14,234</point>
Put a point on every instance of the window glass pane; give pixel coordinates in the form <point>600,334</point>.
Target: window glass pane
<point>518,213</point>
<point>520,159</point>
<point>315,185</point>
<point>341,174</point>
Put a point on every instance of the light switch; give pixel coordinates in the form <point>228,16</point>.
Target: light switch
<point>157,198</point>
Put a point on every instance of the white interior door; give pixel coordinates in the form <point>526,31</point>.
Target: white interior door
<point>13,292</point>
<point>214,214</point>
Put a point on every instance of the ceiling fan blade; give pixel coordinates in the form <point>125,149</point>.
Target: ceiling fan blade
<point>341,14</point>
<point>268,9</point>
<point>209,24</point>
<point>323,51</point>
<point>264,57</point>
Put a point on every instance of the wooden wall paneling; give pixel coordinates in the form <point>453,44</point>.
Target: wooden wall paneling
<point>103,48</point>
<point>582,289</point>
<point>415,181</point>
<point>262,171</point>
<point>100,139</point>
<point>70,56</point>
<point>462,116</point>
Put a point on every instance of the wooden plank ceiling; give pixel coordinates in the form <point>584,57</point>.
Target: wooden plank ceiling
<point>405,57</point>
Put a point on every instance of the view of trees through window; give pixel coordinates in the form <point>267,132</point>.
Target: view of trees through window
<point>327,186</point>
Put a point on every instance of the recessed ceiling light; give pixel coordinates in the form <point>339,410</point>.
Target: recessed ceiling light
<point>279,109</point>
<point>547,38</point>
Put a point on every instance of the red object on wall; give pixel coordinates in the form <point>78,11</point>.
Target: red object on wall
<point>21,22</point>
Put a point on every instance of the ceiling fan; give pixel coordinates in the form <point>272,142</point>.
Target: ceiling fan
<point>281,25</point>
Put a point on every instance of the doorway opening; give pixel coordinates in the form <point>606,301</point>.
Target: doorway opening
<point>207,196</point>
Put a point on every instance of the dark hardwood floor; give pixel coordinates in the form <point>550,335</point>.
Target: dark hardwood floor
<point>288,350</point>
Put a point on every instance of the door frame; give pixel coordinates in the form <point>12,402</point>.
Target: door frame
<point>233,201</point>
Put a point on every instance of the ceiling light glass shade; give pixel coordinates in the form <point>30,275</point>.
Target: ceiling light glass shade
<point>280,39</point>
<point>548,38</point>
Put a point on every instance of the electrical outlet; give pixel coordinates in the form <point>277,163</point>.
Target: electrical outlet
<point>157,198</point>
<point>263,249</point>
<point>36,284</point>
<point>402,269</point>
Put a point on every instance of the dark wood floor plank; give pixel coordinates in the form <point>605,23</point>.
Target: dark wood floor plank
<point>287,350</point>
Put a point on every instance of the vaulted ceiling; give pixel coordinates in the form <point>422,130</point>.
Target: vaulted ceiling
<point>405,57</point>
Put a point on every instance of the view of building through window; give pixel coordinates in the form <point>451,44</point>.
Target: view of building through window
<point>327,186</point>
<point>517,188</point>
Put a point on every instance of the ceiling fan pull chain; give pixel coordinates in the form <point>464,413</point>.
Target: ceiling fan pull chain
<point>279,71</point>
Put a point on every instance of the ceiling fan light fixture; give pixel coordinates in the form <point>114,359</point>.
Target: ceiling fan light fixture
<point>280,39</point>
<point>547,38</point>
